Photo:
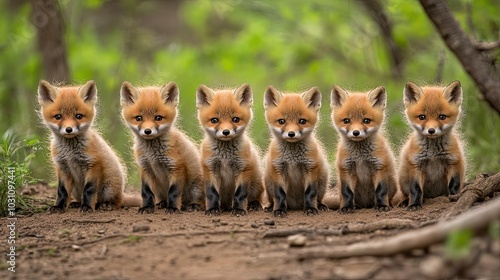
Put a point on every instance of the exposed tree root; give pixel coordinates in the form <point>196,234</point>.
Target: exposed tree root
<point>475,220</point>
<point>90,221</point>
<point>481,188</point>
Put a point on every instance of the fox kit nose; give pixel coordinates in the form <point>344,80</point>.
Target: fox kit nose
<point>356,133</point>
<point>291,134</point>
<point>69,129</point>
<point>432,131</point>
<point>147,131</point>
<point>226,132</point>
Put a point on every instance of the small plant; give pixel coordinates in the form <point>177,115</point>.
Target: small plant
<point>15,156</point>
<point>458,244</point>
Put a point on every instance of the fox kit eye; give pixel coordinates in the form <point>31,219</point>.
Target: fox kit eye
<point>421,117</point>
<point>158,118</point>
<point>58,117</point>
<point>442,117</point>
<point>367,120</point>
<point>302,121</point>
<point>236,120</point>
<point>138,118</point>
<point>281,121</point>
<point>214,120</point>
<point>346,121</point>
<point>79,116</point>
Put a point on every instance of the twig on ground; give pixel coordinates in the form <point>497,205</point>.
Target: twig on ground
<point>475,220</point>
<point>90,221</point>
<point>482,187</point>
<point>45,246</point>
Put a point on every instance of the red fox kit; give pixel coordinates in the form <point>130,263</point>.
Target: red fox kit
<point>432,161</point>
<point>230,161</point>
<point>365,164</point>
<point>86,166</point>
<point>168,159</point>
<point>297,171</point>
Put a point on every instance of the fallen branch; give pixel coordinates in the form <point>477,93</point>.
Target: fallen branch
<point>293,231</point>
<point>90,221</point>
<point>481,188</point>
<point>486,46</point>
<point>475,220</point>
<point>379,225</point>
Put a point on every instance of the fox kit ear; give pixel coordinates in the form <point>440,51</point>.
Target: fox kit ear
<point>378,97</point>
<point>128,94</point>
<point>338,96</point>
<point>46,92</point>
<point>88,92</point>
<point>204,96</point>
<point>244,95</point>
<point>453,92</point>
<point>170,93</point>
<point>412,93</point>
<point>272,97</point>
<point>312,97</point>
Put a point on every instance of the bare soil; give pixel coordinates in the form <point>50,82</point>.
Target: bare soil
<point>125,245</point>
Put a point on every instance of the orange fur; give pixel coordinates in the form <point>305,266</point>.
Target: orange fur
<point>297,171</point>
<point>229,159</point>
<point>365,163</point>
<point>86,166</point>
<point>168,159</point>
<point>432,160</point>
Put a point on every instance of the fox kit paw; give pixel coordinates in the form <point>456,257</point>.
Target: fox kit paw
<point>311,211</point>
<point>172,210</point>
<point>382,208</point>
<point>162,204</point>
<point>254,206</point>
<point>238,212</point>
<point>107,206</point>
<point>280,213</point>
<point>322,207</point>
<point>86,209</point>
<point>346,210</point>
<point>414,207</point>
<point>146,210</point>
<point>403,203</point>
<point>213,212</point>
<point>74,204</point>
<point>55,209</point>
<point>268,209</point>
<point>193,207</point>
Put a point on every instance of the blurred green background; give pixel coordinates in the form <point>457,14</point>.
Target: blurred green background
<point>292,44</point>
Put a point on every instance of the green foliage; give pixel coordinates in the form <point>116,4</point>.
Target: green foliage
<point>291,44</point>
<point>458,244</point>
<point>15,156</point>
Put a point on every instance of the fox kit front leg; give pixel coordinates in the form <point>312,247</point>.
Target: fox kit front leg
<point>382,186</point>
<point>64,190</point>
<point>347,185</point>
<point>455,178</point>
<point>212,190</point>
<point>148,197</point>
<point>240,197</point>
<point>311,194</point>
<point>416,195</point>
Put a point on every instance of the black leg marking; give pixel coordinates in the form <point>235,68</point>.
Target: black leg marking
<point>403,203</point>
<point>280,197</point>
<point>310,196</point>
<point>347,199</point>
<point>193,207</point>
<point>173,195</point>
<point>62,198</point>
<point>213,208</point>
<point>381,197</point>
<point>240,195</point>
<point>148,199</point>
<point>454,186</point>
<point>89,191</point>
<point>254,206</point>
<point>415,202</point>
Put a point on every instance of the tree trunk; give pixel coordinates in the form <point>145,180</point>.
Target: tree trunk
<point>48,20</point>
<point>478,64</point>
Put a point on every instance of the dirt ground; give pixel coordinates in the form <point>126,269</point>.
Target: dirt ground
<point>125,245</point>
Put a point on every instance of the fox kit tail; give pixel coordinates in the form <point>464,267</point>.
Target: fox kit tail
<point>132,200</point>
